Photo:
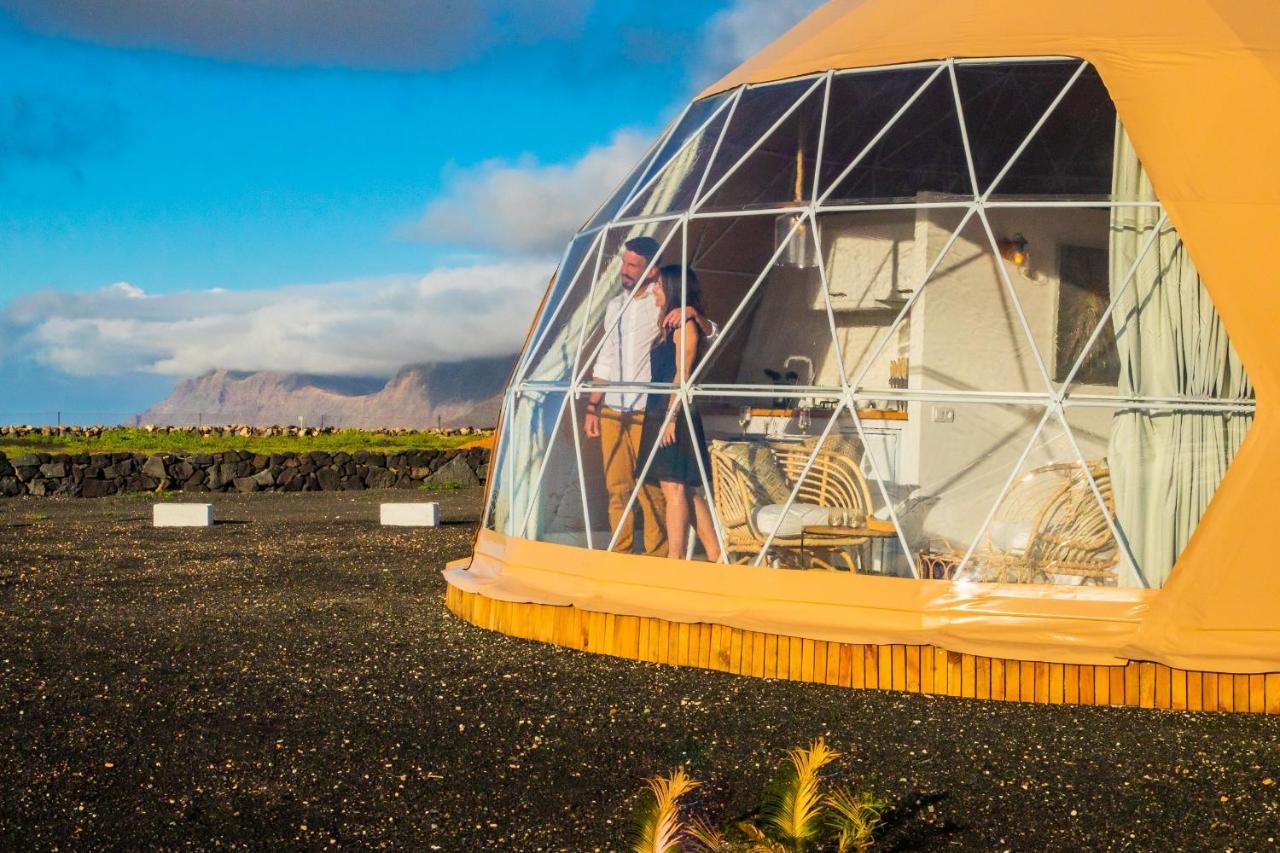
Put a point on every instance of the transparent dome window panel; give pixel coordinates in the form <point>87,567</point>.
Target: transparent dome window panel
<point>1053,523</point>
<point>584,317</point>
<point>529,425</point>
<point>760,113</point>
<point>577,266</point>
<point>920,151</point>
<point>673,188</point>
<point>1158,336</point>
<point>1073,154</point>
<point>798,485</point>
<point>629,185</point>
<point>753,271</point>
<point>549,497</point>
<point>1003,103</point>
<point>967,328</point>
<point>497,512</point>
<point>1164,465</point>
<point>777,168</point>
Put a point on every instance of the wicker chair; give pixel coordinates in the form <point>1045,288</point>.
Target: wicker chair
<point>1066,532</point>
<point>834,481</point>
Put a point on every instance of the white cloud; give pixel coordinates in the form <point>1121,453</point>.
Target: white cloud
<point>527,206</point>
<point>353,328</point>
<point>739,32</point>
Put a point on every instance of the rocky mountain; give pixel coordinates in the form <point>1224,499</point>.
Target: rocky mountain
<point>455,394</point>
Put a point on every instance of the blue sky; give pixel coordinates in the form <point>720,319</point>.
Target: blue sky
<point>182,191</point>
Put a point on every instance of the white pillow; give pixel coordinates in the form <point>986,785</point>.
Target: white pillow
<point>1010,536</point>
<point>793,521</point>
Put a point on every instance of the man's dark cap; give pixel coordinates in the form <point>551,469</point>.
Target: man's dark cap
<point>645,247</point>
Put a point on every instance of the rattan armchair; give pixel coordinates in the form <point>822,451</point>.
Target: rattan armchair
<point>1065,529</point>
<point>834,481</point>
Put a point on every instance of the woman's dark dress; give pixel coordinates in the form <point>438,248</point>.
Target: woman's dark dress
<point>675,462</point>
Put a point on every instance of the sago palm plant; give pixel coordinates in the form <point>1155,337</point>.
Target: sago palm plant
<point>796,816</point>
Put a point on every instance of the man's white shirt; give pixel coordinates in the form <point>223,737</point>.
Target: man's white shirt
<point>631,326</point>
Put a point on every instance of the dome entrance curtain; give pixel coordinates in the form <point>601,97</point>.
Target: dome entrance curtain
<point>1166,463</point>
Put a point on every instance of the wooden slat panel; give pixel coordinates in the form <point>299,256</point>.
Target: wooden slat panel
<point>955,674</point>
<point>1257,694</point>
<point>1195,691</point>
<point>1210,692</point>
<point>782,656</point>
<point>1088,676</point>
<point>899,676</point>
<point>1071,684</point>
<point>1147,684</point>
<point>871,666</point>
<point>704,650</point>
<point>738,641</point>
<point>664,641</point>
<point>833,663</point>
<point>759,657</point>
<point>1057,690</point>
<point>713,648</point>
<point>968,676</point>
<point>1027,683</point>
<point>1241,697</point>
<point>684,642</point>
<point>1178,689</point>
<point>1226,692</point>
<point>797,658</point>
<point>926,669</point>
<point>1273,693</point>
<point>885,663</point>
<point>982,681</point>
<point>1012,681</point>
<point>722,652</point>
<point>997,678</point>
<point>1117,685</point>
<point>913,669</point>
<point>1042,682</point>
<point>940,658</point>
<point>1102,685</point>
<point>846,664</point>
<point>807,654</point>
<point>1164,686</point>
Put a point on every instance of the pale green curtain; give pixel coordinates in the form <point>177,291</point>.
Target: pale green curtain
<point>1165,464</point>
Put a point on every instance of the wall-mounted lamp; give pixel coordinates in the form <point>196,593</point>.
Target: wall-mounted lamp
<point>1014,250</point>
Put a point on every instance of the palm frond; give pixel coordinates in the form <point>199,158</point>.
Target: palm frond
<point>793,801</point>
<point>658,828</point>
<point>855,818</point>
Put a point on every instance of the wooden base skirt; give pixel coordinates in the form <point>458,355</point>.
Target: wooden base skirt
<point>913,669</point>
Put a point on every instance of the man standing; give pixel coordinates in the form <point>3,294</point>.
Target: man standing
<point>617,417</point>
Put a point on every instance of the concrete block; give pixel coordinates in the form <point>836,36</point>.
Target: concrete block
<point>411,515</point>
<point>182,515</point>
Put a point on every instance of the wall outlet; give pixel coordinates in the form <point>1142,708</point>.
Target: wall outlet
<point>944,415</point>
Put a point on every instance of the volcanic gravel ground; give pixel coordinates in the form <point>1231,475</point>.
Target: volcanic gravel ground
<point>291,679</point>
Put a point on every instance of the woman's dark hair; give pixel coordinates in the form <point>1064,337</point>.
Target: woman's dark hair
<point>669,281</point>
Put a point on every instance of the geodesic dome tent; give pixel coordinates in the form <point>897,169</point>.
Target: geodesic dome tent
<point>992,286</point>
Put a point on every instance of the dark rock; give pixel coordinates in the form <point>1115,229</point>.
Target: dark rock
<point>246,484</point>
<point>97,488</point>
<point>482,473</point>
<point>6,470</point>
<point>127,466</point>
<point>26,473</point>
<point>198,478</point>
<point>380,478</point>
<point>327,479</point>
<point>154,467</point>
<point>352,484</point>
<point>361,457</point>
<point>204,460</point>
<point>181,472</point>
<point>26,460</point>
<point>10,487</point>
<point>294,484</point>
<point>307,467</point>
<point>54,470</point>
<point>320,458</point>
<point>40,488</point>
<point>108,473</point>
<point>454,473</point>
<point>265,479</point>
<point>279,459</point>
<point>244,468</point>
<point>261,461</point>
<point>341,458</point>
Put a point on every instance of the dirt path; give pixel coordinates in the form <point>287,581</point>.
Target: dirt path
<point>291,678</point>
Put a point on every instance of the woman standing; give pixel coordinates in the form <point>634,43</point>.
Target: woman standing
<point>675,465</point>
